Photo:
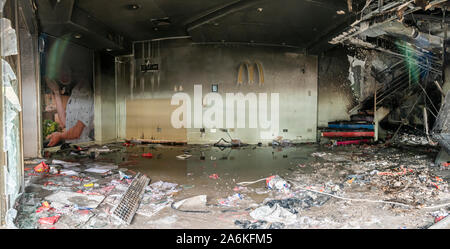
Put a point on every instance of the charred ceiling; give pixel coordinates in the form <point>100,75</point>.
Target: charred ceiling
<point>104,24</point>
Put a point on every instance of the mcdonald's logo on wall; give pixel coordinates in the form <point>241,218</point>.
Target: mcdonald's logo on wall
<point>246,73</point>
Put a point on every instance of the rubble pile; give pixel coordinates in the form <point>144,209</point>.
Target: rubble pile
<point>412,139</point>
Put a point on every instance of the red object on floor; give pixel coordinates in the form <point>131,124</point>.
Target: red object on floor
<point>49,183</point>
<point>437,219</point>
<point>435,185</point>
<point>268,179</point>
<point>49,220</point>
<point>352,142</point>
<point>45,206</point>
<point>84,212</point>
<point>403,172</point>
<point>214,176</point>
<point>149,155</point>
<point>42,167</point>
<point>348,134</point>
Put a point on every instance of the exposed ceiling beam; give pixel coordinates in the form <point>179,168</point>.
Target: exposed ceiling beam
<point>221,12</point>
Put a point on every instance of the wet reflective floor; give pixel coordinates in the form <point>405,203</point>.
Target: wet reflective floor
<point>231,165</point>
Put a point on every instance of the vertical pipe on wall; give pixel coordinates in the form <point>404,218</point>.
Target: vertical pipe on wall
<point>132,72</point>
<point>141,77</point>
<point>375,113</point>
<point>116,73</point>
<point>97,85</point>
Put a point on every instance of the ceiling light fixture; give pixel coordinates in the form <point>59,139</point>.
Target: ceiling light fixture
<point>109,49</point>
<point>165,21</point>
<point>259,9</point>
<point>77,36</point>
<point>133,6</point>
<point>340,12</point>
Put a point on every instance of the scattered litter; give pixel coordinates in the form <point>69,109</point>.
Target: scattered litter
<point>49,220</point>
<point>402,172</point>
<point>184,156</point>
<point>412,139</point>
<point>151,209</point>
<point>273,214</point>
<point>101,169</point>
<point>300,202</point>
<point>42,168</point>
<point>147,155</point>
<point>240,188</point>
<point>214,176</point>
<point>45,207</point>
<point>122,176</point>
<point>231,201</point>
<point>163,185</point>
<point>73,198</point>
<point>192,204</point>
<point>277,183</point>
<point>64,163</point>
<point>260,224</point>
<point>68,172</point>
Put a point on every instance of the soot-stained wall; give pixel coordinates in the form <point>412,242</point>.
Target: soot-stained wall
<point>335,94</point>
<point>183,65</point>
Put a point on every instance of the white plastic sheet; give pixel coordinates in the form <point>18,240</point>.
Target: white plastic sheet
<point>273,214</point>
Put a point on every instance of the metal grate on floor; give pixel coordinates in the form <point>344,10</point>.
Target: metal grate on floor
<point>129,203</point>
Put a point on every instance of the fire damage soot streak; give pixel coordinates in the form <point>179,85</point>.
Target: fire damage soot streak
<point>251,238</point>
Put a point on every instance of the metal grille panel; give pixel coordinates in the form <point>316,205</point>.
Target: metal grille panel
<point>129,203</point>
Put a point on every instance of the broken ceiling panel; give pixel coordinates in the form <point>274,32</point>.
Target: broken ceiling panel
<point>395,19</point>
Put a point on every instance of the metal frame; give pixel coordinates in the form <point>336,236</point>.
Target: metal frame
<point>19,79</point>
<point>2,154</point>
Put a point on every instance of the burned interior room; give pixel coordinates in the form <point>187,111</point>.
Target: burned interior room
<point>228,114</point>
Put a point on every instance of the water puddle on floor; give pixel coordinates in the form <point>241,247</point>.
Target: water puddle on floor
<point>230,165</point>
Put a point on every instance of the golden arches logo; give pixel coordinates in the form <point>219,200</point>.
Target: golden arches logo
<point>248,67</point>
